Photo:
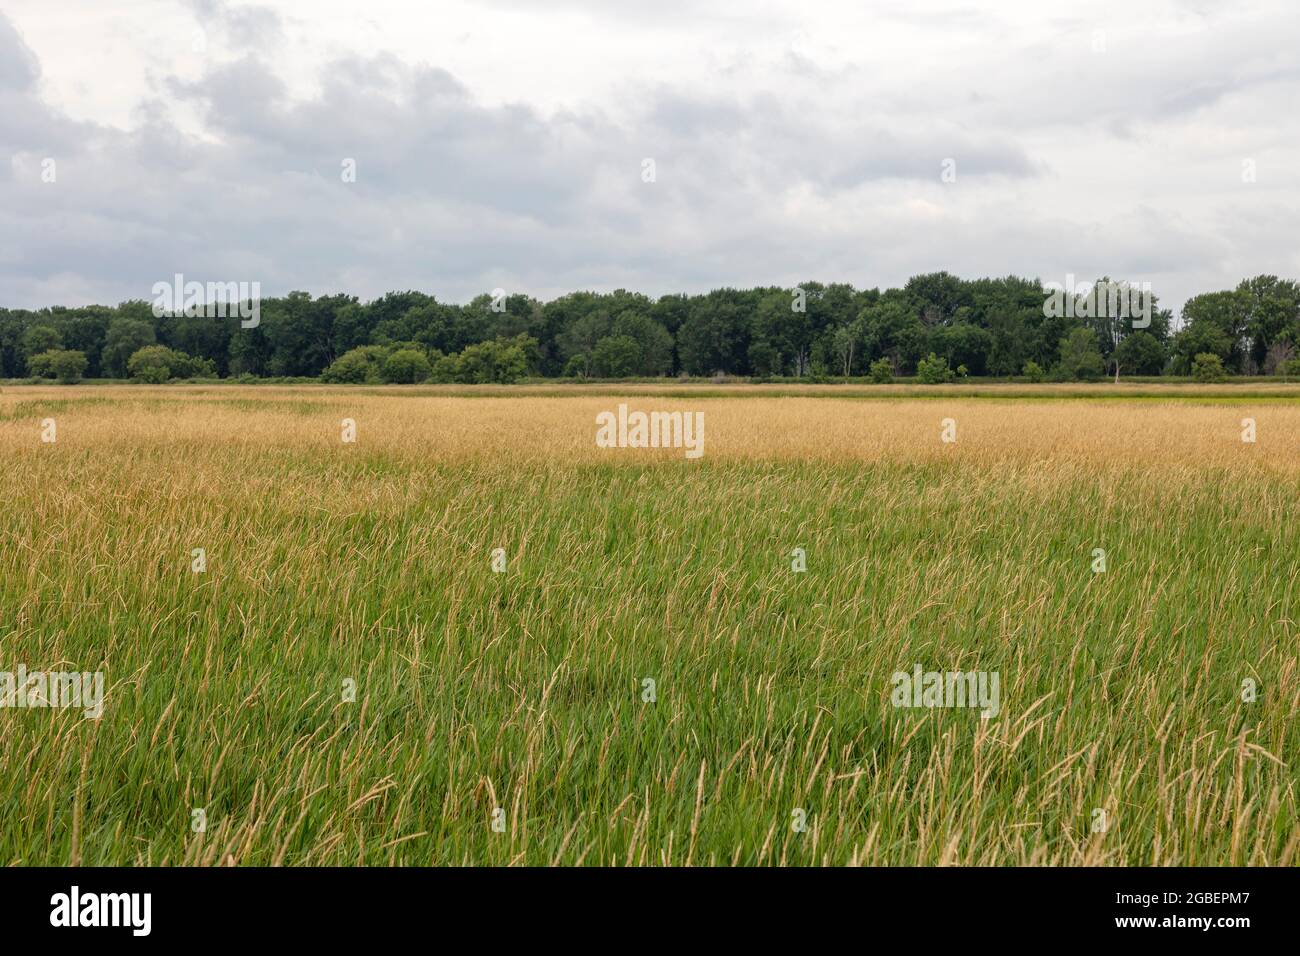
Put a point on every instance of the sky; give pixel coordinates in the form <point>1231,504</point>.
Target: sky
<point>543,147</point>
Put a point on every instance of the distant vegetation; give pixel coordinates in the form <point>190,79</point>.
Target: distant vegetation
<point>937,328</point>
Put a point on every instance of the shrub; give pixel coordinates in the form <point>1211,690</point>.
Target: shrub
<point>63,364</point>
<point>933,370</point>
<point>156,364</point>
<point>445,369</point>
<point>1034,372</point>
<point>882,371</point>
<point>1208,367</point>
<point>405,367</point>
<point>356,366</point>
<point>497,361</point>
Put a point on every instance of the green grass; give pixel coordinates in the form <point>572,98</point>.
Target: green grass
<point>1119,691</point>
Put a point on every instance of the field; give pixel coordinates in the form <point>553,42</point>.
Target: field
<point>349,681</point>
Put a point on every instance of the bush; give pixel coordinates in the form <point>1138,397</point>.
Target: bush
<point>155,364</point>
<point>406,367</point>
<point>1208,367</point>
<point>494,362</point>
<point>357,366</point>
<point>882,371</point>
<point>1289,368</point>
<point>1034,372</point>
<point>445,369</point>
<point>933,370</point>
<point>498,361</point>
<point>63,364</point>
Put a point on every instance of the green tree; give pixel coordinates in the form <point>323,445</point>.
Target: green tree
<point>1200,337</point>
<point>1140,354</point>
<point>125,337</point>
<point>1080,357</point>
<point>616,356</point>
<point>1269,311</point>
<point>40,338</point>
<point>654,342</point>
<point>764,359</point>
<point>66,365</point>
<point>356,366</point>
<point>406,367</point>
<point>1212,322</point>
<point>499,361</point>
<point>155,364</point>
<point>715,337</point>
<point>579,338</point>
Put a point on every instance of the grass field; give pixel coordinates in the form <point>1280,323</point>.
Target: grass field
<point>326,562</point>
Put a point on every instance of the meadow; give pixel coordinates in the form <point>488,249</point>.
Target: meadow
<point>348,680</point>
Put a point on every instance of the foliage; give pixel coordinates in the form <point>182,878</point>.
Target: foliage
<point>1208,367</point>
<point>1139,354</point>
<point>1080,357</point>
<point>66,365</point>
<point>155,364</point>
<point>813,331</point>
<point>356,366</point>
<point>933,370</point>
<point>406,367</point>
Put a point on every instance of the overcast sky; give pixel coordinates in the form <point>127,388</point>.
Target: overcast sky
<point>502,144</point>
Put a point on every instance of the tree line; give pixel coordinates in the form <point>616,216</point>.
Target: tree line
<point>936,327</point>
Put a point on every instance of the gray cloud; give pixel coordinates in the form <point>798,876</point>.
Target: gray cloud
<point>779,171</point>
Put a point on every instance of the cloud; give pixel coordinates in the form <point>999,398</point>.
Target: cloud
<point>777,164</point>
<point>18,66</point>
